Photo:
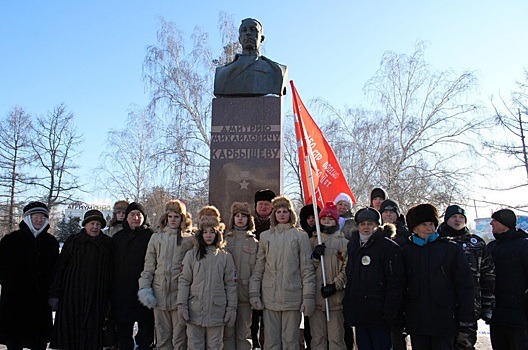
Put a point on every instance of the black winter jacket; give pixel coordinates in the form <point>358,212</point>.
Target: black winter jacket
<point>26,270</point>
<point>439,293</point>
<point>130,251</point>
<point>375,281</point>
<point>480,262</point>
<point>510,255</point>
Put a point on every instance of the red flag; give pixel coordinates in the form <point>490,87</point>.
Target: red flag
<point>328,177</point>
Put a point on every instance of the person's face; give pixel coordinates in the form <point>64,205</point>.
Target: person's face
<point>135,219</point>
<point>342,207</point>
<point>250,35</point>
<point>209,235</point>
<point>93,228</point>
<point>367,227</point>
<point>497,227</point>
<point>241,220</point>
<point>264,208</point>
<point>174,220</point>
<point>376,203</point>
<point>425,229</point>
<point>38,220</point>
<point>310,220</point>
<point>457,221</point>
<point>120,215</point>
<point>389,217</point>
<point>328,221</point>
<point>282,215</point>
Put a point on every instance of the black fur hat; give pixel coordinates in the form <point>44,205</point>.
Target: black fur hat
<point>420,214</point>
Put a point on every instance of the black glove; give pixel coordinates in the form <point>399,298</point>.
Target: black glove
<point>54,303</point>
<point>485,315</point>
<point>319,251</point>
<point>462,326</point>
<point>328,290</point>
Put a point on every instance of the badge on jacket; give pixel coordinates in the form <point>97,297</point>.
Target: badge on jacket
<point>365,260</point>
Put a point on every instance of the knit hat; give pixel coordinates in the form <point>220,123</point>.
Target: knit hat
<point>36,207</point>
<point>343,197</point>
<point>135,206</point>
<point>378,192</point>
<point>420,214</point>
<point>452,210</point>
<point>177,206</point>
<point>120,205</point>
<point>283,202</point>
<point>505,217</point>
<point>242,208</point>
<point>264,195</point>
<point>389,204</point>
<point>92,215</point>
<point>329,210</point>
<point>367,214</point>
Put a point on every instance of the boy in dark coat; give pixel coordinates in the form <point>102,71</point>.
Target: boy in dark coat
<point>482,268</point>
<point>27,260</point>
<point>439,294</point>
<point>130,250</point>
<point>375,282</point>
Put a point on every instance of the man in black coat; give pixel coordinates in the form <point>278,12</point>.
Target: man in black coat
<point>130,249</point>
<point>27,261</point>
<point>509,250</point>
<point>375,282</point>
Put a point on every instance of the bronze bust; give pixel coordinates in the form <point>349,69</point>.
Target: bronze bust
<point>250,74</point>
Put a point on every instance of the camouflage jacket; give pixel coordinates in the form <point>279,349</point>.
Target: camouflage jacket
<point>481,264</point>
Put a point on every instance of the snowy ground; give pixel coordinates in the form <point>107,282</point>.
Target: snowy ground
<point>483,340</point>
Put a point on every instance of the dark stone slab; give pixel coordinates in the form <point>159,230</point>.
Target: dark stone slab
<point>246,150</point>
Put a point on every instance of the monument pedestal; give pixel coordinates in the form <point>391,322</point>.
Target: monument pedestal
<point>246,150</point>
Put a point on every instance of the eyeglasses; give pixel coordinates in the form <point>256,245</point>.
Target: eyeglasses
<point>38,217</point>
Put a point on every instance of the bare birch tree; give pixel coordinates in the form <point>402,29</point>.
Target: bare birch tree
<point>180,80</point>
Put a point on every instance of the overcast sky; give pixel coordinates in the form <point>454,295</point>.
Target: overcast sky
<point>88,54</point>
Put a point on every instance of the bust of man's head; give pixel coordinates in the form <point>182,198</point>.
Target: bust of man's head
<point>250,36</point>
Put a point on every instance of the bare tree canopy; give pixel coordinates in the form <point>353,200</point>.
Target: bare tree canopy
<point>54,143</point>
<point>128,167</point>
<point>15,155</point>
<point>509,116</point>
<point>411,143</point>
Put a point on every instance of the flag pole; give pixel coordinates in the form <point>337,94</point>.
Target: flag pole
<point>317,229</point>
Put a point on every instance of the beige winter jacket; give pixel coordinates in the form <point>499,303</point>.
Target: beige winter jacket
<point>208,286</point>
<point>163,265</point>
<point>243,246</point>
<point>283,275</point>
<point>335,261</point>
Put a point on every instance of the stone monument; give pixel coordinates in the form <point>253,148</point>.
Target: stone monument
<point>246,132</point>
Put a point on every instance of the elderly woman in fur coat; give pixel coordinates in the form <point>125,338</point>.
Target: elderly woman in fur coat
<point>81,286</point>
<point>158,285</point>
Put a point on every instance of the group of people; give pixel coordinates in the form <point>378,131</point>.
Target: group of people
<point>373,279</point>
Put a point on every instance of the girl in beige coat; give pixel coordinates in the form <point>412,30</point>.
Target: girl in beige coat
<point>207,288</point>
<point>243,245</point>
<point>159,280</point>
<point>283,280</point>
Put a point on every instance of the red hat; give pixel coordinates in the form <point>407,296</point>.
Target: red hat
<point>329,210</point>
